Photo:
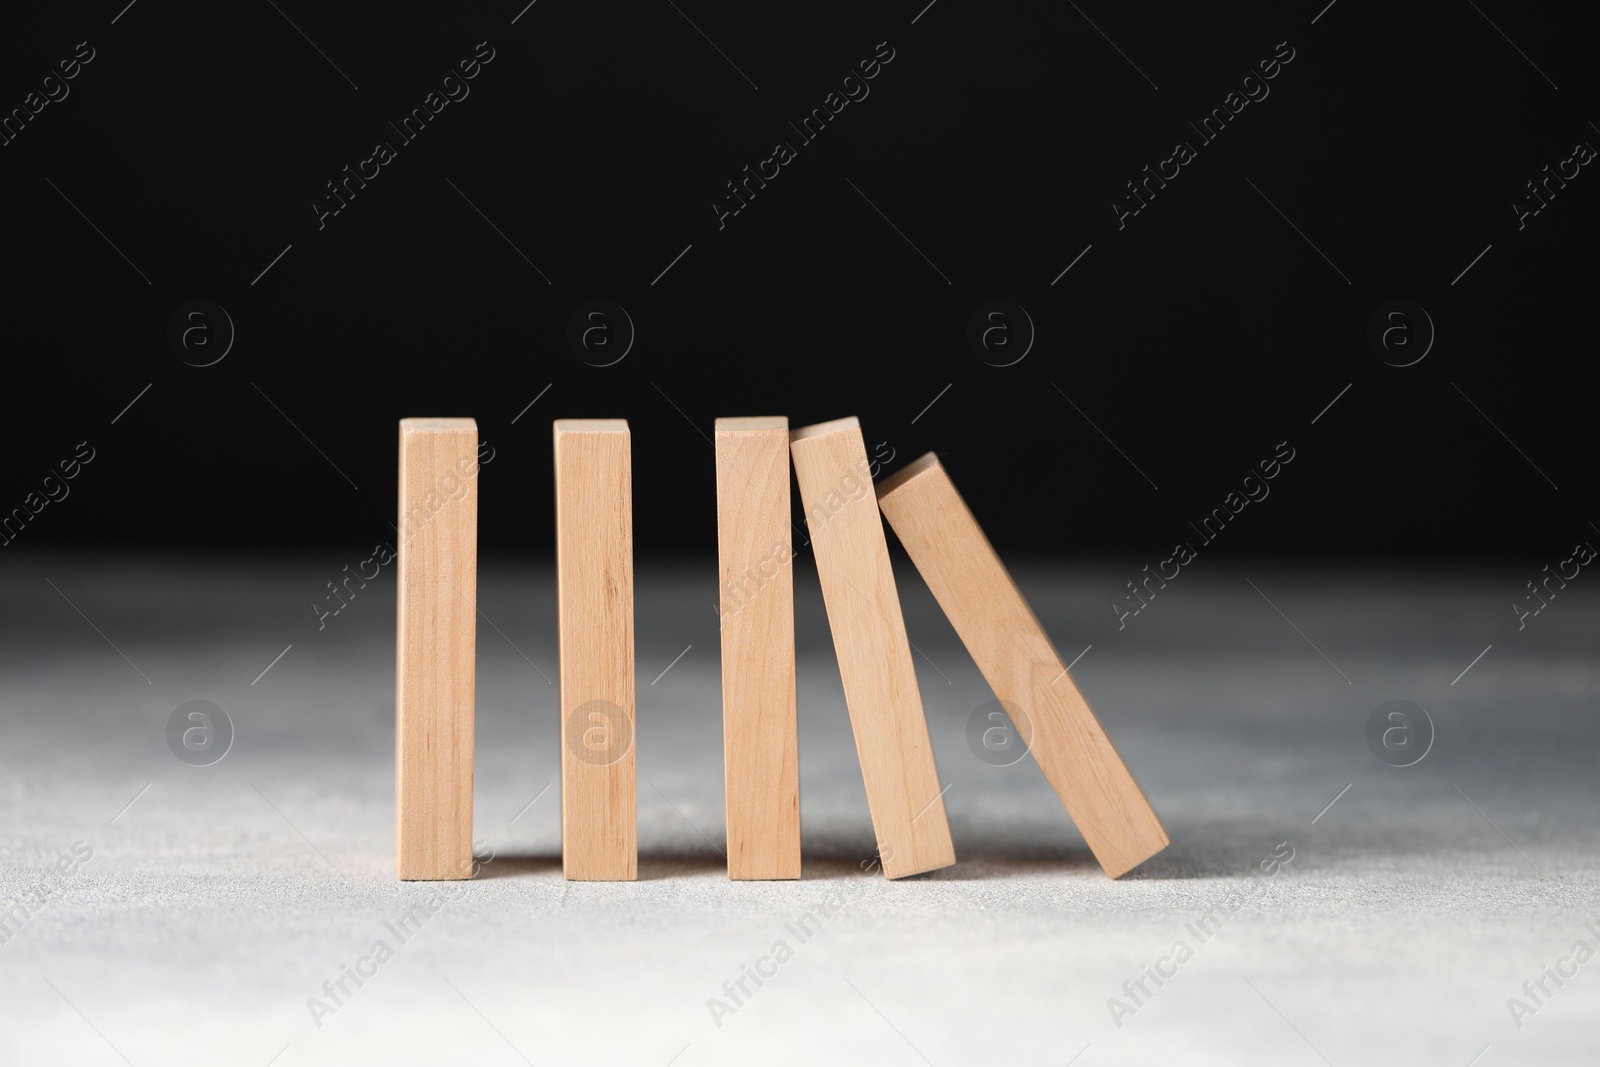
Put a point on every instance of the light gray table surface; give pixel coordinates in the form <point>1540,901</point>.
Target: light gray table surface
<point>221,899</point>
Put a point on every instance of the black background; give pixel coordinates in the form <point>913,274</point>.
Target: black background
<point>1196,338</point>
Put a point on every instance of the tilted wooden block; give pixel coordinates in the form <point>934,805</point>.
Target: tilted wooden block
<point>1021,666</point>
<point>437,629</point>
<point>759,740</point>
<point>594,593</point>
<point>869,637</point>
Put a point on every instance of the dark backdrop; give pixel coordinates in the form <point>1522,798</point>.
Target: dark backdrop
<point>1184,343</point>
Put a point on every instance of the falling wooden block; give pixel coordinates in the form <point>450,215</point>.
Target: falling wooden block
<point>437,612</point>
<point>1021,666</point>
<point>869,637</point>
<point>759,740</point>
<point>594,593</point>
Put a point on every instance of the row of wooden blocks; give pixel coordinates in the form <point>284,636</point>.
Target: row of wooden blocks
<point>594,572</point>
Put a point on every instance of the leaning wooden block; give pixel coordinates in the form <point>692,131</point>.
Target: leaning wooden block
<point>594,593</point>
<point>759,740</point>
<point>437,630</point>
<point>1021,666</point>
<point>869,637</point>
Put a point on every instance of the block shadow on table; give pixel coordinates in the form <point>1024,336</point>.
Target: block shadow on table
<point>1199,851</point>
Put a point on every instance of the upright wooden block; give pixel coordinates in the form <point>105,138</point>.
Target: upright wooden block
<point>1020,664</point>
<point>594,593</point>
<point>760,745</point>
<point>437,631</point>
<point>869,637</point>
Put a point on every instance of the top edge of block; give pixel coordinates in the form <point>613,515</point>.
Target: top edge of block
<point>438,425</point>
<point>922,464</point>
<point>752,422</point>
<point>849,422</point>
<point>591,425</point>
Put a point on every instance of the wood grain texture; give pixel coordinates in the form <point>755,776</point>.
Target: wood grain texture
<point>1020,664</point>
<point>869,638</point>
<point>760,744</point>
<point>594,594</point>
<point>437,581</point>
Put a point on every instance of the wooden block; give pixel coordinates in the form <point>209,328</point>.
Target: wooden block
<point>869,637</point>
<point>760,745</point>
<point>594,593</point>
<point>1020,664</point>
<point>436,642</point>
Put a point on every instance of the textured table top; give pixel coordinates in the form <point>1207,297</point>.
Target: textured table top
<point>187,914</point>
